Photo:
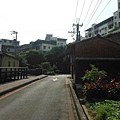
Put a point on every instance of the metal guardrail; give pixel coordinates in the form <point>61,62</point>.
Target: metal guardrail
<point>8,74</point>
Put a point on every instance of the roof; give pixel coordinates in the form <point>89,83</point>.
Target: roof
<point>61,39</point>
<point>5,54</point>
<point>95,47</point>
<point>44,41</point>
<point>102,23</point>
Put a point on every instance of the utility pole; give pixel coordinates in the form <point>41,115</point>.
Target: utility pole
<point>78,37</point>
<point>14,32</point>
<point>15,40</point>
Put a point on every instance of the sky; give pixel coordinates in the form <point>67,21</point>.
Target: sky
<point>33,19</point>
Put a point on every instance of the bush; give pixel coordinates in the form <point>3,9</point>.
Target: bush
<point>94,74</point>
<point>46,69</point>
<point>97,85</point>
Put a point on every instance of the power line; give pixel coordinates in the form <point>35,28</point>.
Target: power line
<point>95,9</point>
<point>76,11</point>
<point>74,19</point>
<point>82,10</point>
<point>102,10</point>
<point>88,11</point>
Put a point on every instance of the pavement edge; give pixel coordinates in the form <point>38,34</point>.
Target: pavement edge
<point>79,109</point>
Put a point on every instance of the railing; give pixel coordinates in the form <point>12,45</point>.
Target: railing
<point>8,74</point>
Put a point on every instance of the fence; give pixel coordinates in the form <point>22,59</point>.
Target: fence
<point>8,74</point>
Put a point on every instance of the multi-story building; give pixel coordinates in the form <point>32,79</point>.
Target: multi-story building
<point>105,26</point>
<point>44,45</point>
<point>9,46</point>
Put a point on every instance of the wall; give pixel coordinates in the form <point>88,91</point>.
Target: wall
<point>114,37</point>
<point>6,59</point>
<point>47,48</point>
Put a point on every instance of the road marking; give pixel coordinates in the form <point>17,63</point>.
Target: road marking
<point>55,79</point>
<point>71,114</point>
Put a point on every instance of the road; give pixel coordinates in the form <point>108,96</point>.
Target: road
<point>46,99</point>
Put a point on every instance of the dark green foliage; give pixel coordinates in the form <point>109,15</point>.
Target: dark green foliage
<point>46,68</point>
<point>93,74</point>
<point>98,85</point>
<point>58,59</point>
<point>22,59</point>
<point>34,58</point>
<point>105,110</point>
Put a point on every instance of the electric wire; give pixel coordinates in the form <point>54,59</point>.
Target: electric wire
<point>76,11</point>
<point>102,11</point>
<point>82,10</point>
<point>87,11</point>
<point>74,18</point>
<point>93,13</point>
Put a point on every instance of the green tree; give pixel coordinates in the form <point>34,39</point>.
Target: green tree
<point>35,58</point>
<point>22,59</point>
<point>58,59</point>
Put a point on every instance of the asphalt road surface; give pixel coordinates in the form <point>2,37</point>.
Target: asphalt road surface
<point>46,99</point>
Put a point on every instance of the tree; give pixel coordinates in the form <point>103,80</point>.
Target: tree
<point>58,59</point>
<point>35,58</point>
<point>22,59</point>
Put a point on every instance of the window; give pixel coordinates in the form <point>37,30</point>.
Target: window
<point>105,28</point>
<point>13,64</point>
<point>8,63</point>
<point>44,47</point>
<point>119,5</point>
<point>48,47</point>
<point>61,44</point>
<point>110,26</point>
<point>4,40</point>
<point>8,50</point>
<point>119,24</point>
<point>119,14</point>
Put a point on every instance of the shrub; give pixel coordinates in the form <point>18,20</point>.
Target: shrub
<point>97,85</point>
<point>94,74</point>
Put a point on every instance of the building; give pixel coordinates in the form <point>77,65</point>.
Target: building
<point>44,45</point>
<point>7,60</point>
<point>105,26</point>
<point>101,52</point>
<point>9,46</point>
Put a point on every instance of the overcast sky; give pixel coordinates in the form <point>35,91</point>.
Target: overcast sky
<point>33,19</point>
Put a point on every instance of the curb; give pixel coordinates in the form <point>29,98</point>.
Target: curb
<point>79,109</point>
<point>21,85</point>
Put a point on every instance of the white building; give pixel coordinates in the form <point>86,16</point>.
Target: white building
<point>105,26</point>
<point>45,45</point>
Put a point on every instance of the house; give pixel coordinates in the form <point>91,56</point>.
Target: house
<point>103,53</point>
<point>7,60</point>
